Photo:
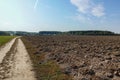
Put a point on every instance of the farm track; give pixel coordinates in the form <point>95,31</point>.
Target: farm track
<point>15,63</point>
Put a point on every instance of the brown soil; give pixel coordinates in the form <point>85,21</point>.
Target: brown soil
<point>83,57</point>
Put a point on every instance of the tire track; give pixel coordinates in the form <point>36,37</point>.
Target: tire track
<point>7,61</point>
<point>4,49</point>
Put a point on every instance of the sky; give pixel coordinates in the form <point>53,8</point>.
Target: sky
<point>59,15</point>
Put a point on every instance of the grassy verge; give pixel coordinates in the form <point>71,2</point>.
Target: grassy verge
<point>5,39</point>
<point>45,70</point>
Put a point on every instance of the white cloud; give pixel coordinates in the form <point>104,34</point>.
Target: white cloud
<point>82,5</point>
<point>88,7</point>
<point>98,11</point>
<point>36,3</point>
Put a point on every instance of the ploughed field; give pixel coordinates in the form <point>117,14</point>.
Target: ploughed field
<point>78,57</point>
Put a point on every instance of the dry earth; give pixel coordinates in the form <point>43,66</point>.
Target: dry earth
<point>83,57</point>
<point>15,62</point>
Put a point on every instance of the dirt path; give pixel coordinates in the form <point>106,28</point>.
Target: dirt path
<point>17,65</point>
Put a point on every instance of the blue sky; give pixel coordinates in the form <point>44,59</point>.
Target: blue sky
<point>60,15</point>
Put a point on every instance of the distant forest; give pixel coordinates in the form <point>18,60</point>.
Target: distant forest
<point>4,33</point>
<point>90,32</point>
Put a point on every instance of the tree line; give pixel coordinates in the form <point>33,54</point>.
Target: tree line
<point>77,33</point>
<point>90,32</point>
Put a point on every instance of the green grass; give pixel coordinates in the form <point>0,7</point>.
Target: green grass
<point>5,39</point>
<point>49,70</point>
